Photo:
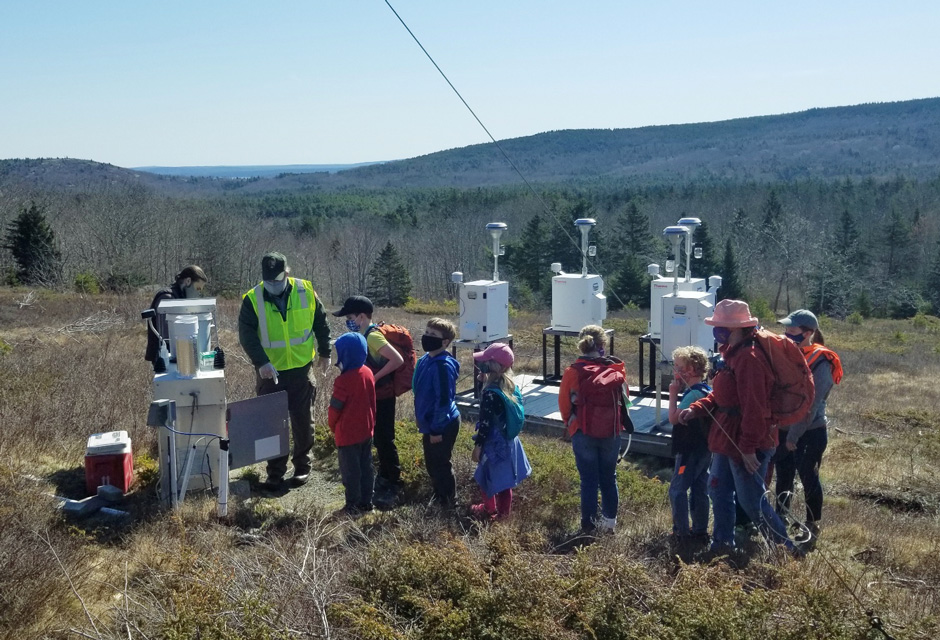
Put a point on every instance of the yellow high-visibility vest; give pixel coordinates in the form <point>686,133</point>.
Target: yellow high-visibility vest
<point>289,344</point>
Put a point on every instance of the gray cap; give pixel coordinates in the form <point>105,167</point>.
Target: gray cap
<point>801,318</point>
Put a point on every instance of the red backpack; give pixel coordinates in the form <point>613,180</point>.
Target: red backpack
<point>793,390</point>
<point>400,338</point>
<point>600,388</point>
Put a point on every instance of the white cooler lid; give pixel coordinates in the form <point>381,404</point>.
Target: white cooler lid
<point>111,442</point>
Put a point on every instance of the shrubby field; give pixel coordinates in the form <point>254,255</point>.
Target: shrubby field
<point>71,365</point>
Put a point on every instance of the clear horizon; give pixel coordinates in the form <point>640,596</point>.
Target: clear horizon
<point>236,83</point>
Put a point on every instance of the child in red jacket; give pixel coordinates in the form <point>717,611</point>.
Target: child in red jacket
<point>352,421</point>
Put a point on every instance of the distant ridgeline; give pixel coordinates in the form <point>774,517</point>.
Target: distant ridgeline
<point>837,209</point>
<point>249,171</point>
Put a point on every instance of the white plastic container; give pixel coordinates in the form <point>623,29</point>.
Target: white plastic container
<point>184,332</point>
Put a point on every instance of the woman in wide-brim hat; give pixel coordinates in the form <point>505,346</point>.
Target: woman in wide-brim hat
<point>742,437</point>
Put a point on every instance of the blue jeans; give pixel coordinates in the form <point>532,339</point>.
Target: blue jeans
<point>729,479</point>
<point>688,491</point>
<point>596,459</point>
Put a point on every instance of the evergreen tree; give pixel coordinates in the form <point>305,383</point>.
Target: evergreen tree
<point>847,237</point>
<point>528,257</point>
<point>730,282</point>
<point>389,283</point>
<point>932,289</point>
<point>630,285</point>
<point>773,212</point>
<point>896,237</point>
<point>32,242</point>
<point>633,234</point>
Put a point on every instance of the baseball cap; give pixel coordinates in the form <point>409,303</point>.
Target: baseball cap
<point>801,318</point>
<point>273,266</point>
<point>497,352</point>
<point>355,305</point>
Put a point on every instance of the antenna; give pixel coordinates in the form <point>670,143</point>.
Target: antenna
<point>675,234</point>
<point>584,226</point>
<point>496,230</point>
<point>692,224</point>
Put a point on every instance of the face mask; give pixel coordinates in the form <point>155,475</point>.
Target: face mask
<point>722,334</point>
<point>797,338</point>
<point>191,291</point>
<point>352,326</point>
<point>484,367</point>
<point>600,351</point>
<point>275,287</point>
<point>431,343</point>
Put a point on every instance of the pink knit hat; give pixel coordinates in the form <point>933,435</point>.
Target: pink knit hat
<point>732,314</point>
<point>497,352</point>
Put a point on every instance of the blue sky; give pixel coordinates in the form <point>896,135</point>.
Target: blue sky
<point>315,82</point>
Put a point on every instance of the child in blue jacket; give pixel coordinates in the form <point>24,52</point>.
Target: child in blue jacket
<point>435,390</point>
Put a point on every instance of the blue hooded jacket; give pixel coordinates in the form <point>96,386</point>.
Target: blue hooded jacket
<point>435,390</point>
<point>351,351</point>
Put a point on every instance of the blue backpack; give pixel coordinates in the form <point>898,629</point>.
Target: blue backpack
<point>515,415</point>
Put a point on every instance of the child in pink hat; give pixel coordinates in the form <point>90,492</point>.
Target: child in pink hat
<point>501,460</point>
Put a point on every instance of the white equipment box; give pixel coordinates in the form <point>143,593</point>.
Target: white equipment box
<point>684,325</point>
<point>200,409</point>
<point>577,301</point>
<point>660,287</point>
<point>484,310</point>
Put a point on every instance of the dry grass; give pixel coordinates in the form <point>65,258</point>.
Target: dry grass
<point>71,366</point>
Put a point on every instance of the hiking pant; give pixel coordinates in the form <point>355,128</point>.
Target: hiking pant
<point>355,468</point>
<point>805,461</point>
<point>728,479</point>
<point>596,460</point>
<point>688,493</point>
<point>437,461</point>
<point>384,438</point>
<point>300,396</point>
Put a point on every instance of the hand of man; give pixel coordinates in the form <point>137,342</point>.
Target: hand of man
<point>751,465</point>
<point>791,446</point>
<point>436,439</point>
<point>475,456</point>
<point>323,362</point>
<point>267,371</point>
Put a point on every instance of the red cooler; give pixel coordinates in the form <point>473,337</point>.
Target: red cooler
<point>108,460</point>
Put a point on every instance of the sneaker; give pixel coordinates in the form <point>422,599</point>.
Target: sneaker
<point>365,507</point>
<point>299,479</point>
<point>480,512</point>
<point>606,525</point>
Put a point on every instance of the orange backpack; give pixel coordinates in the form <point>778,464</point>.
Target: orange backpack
<point>793,390</point>
<point>400,338</point>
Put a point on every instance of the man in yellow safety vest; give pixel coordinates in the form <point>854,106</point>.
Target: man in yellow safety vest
<point>278,323</point>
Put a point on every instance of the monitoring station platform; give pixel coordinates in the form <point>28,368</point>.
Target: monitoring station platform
<point>651,437</point>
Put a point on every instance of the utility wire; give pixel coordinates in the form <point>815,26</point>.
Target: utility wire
<point>498,146</point>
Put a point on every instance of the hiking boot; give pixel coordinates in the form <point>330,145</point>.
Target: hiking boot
<point>808,536</point>
<point>365,507</point>
<point>272,483</point>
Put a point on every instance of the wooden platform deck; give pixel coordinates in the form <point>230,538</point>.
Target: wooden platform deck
<point>652,436</point>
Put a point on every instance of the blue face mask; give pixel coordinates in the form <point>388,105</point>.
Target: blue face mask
<point>722,334</point>
<point>797,338</point>
<point>600,351</point>
<point>352,326</point>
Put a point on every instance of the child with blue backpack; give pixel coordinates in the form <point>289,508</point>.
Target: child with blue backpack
<point>688,490</point>
<point>501,460</point>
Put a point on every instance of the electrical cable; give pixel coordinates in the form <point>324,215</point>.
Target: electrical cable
<point>505,155</point>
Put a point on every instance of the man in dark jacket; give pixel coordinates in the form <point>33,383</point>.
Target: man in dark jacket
<point>280,320</point>
<point>188,284</point>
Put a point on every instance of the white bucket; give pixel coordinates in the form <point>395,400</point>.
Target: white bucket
<point>184,332</point>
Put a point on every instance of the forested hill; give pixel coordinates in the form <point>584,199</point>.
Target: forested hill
<point>867,140</point>
<point>872,140</point>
